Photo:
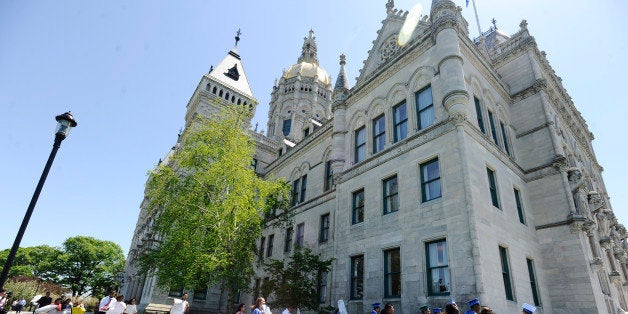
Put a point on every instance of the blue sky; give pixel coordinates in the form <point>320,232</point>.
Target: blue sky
<point>127,69</point>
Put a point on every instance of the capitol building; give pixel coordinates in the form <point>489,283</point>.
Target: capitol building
<point>453,168</point>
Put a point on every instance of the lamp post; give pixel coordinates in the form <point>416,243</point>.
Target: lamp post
<point>65,122</point>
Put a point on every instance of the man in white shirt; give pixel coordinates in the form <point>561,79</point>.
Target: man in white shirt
<point>117,306</point>
<point>289,310</point>
<point>105,301</point>
<point>180,306</point>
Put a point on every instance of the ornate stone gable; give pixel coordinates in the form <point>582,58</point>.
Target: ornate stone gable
<point>385,46</point>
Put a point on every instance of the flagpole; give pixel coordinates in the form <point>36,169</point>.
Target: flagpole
<point>477,20</point>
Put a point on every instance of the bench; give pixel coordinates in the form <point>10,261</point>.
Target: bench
<point>156,308</point>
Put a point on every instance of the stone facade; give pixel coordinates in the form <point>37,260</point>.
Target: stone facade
<point>473,164</point>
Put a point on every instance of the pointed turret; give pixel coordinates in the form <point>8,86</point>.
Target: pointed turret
<point>342,81</point>
<point>225,82</point>
<point>230,71</point>
<point>308,52</point>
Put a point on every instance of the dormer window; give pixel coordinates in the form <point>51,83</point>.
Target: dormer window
<point>233,73</point>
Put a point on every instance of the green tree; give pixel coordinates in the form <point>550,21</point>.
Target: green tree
<point>89,264</point>
<point>35,261</point>
<point>294,281</point>
<point>209,207</point>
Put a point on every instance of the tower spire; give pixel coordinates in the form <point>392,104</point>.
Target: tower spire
<point>341,81</point>
<point>308,52</point>
<point>390,6</point>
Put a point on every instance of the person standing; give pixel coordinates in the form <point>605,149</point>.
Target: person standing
<point>258,307</point>
<point>241,309</point>
<point>103,306</point>
<point>3,300</point>
<point>425,309</point>
<point>180,306</point>
<point>474,306</point>
<point>528,309</point>
<point>117,306</point>
<point>43,301</point>
<point>289,310</point>
<point>377,308</point>
<point>131,307</point>
<point>20,306</point>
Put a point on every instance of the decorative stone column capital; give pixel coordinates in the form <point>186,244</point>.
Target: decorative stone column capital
<point>615,277</point>
<point>605,243</point>
<point>596,263</point>
<point>560,163</point>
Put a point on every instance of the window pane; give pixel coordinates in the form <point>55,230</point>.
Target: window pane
<point>438,268</point>
<point>426,117</point>
<point>358,207</point>
<point>286,127</point>
<point>392,273</point>
<point>424,98</point>
<point>400,118</point>
<point>391,199</point>
<point>357,277</point>
<point>430,180</point>
<point>379,133</point>
<point>360,144</point>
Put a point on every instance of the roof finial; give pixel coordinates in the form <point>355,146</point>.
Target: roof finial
<point>342,81</point>
<point>308,52</point>
<point>494,23</point>
<point>390,5</point>
<point>237,38</point>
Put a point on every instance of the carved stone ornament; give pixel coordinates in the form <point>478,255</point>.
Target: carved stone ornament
<point>604,223</point>
<point>589,227</point>
<point>560,163</point>
<point>597,263</point>
<point>595,201</point>
<point>615,277</point>
<point>388,49</point>
<point>458,118</point>
<point>576,224</point>
<point>605,243</point>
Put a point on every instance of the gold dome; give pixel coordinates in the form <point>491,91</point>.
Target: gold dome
<point>307,69</point>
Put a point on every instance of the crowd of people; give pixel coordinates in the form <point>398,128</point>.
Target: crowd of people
<point>110,304</point>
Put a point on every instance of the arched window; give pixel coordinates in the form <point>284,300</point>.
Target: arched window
<point>227,96</point>
<point>214,90</point>
<point>207,87</point>
<point>238,101</point>
<point>232,98</point>
<point>220,94</point>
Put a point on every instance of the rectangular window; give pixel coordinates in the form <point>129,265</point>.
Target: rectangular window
<point>505,138</point>
<point>286,127</point>
<point>294,200</point>
<point>379,133</point>
<point>430,180</point>
<point>262,243</point>
<point>392,273</point>
<point>303,187</point>
<point>200,294</point>
<point>300,234</point>
<point>437,263</point>
<point>357,277</point>
<point>533,285</point>
<point>287,246</point>
<point>306,132</point>
<point>391,195</point>
<point>324,233</point>
<point>492,185</point>
<point>491,122</point>
<point>424,107</point>
<point>322,286</point>
<point>271,242</point>
<point>503,254</point>
<point>360,144</point>
<point>400,120</point>
<point>478,113</point>
<point>519,207</point>
<point>357,207</point>
<point>329,176</point>
<point>175,292</point>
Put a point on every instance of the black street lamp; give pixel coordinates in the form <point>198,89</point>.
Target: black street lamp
<point>65,122</point>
